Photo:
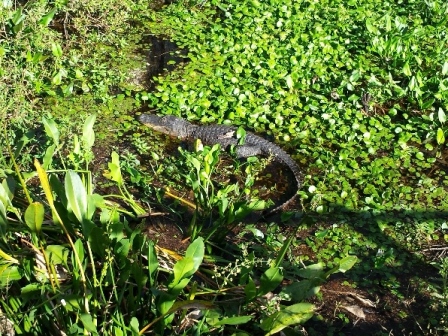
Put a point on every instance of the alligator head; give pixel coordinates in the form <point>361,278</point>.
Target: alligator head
<point>169,124</point>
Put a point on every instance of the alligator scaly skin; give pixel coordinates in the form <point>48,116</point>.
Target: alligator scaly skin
<point>225,136</point>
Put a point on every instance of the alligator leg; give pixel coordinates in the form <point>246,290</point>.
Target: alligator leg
<point>244,151</point>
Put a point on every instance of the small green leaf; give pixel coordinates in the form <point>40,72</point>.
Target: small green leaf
<point>407,70</point>
<point>57,254</point>
<point>32,287</point>
<point>56,50</point>
<point>46,19</point>
<point>134,325</point>
<point>48,157</point>
<point>270,280</point>
<point>153,263</point>
<point>445,68</point>
<point>17,16</point>
<point>88,135</point>
<point>370,27</point>
<point>299,291</point>
<point>34,216</point>
<point>196,252</point>
<point>5,196</point>
<point>250,290</point>
<point>312,271</point>
<point>80,249</point>
<point>236,320</point>
<point>114,172</point>
<point>9,273</point>
<point>87,321</point>
<point>3,219</point>
<point>183,268</point>
<point>427,104</point>
<point>440,136</point>
<point>347,263</point>
<point>420,156</point>
<point>441,115</point>
<point>51,129</point>
<point>241,135</point>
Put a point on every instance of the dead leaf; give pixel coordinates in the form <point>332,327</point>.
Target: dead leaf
<point>355,310</point>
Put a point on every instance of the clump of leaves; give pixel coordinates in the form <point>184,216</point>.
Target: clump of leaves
<point>78,262</point>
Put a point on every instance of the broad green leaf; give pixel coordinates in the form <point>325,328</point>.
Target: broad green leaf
<point>223,204</point>
<point>87,321</point>
<point>48,158</point>
<point>7,258</point>
<point>153,263</point>
<point>57,78</point>
<point>17,16</point>
<point>347,263</point>
<point>196,252</point>
<point>57,254</point>
<point>165,300</point>
<point>236,320</point>
<point>99,241</point>
<point>34,216</point>
<point>51,129</point>
<point>8,273</point>
<point>295,314</point>
<point>302,290</point>
<point>4,197</point>
<point>370,27</point>
<point>388,22</point>
<point>18,27</point>
<point>312,271</point>
<point>182,269</point>
<point>250,290</point>
<point>80,250</point>
<point>427,104</point>
<point>190,304</point>
<point>46,19</point>
<point>196,163</point>
<point>32,287</point>
<point>176,289</point>
<point>68,89</point>
<point>241,135</point>
<point>123,247</point>
<point>445,68</point>
<point>407,70</point>
<point>56,50</point>
<point>354,76</point>
<point>134,325</point>
<point>114,172</point>
<point>440,136</point>
<point>88,134</point>
<point>76,146</point>
<point>76,195</point>
<point>94,202</point>
<point>8,187</point>
<point>270,280</point>
<point>73,302</point>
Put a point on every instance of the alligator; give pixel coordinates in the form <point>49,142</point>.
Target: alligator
<point>225,136</point>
